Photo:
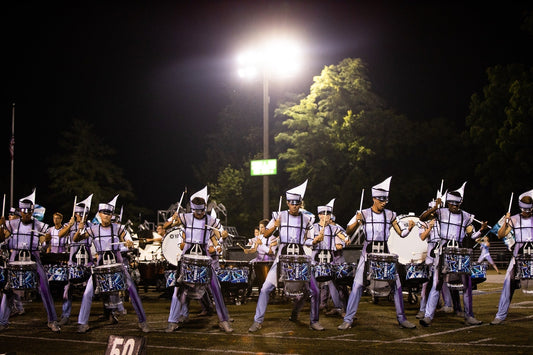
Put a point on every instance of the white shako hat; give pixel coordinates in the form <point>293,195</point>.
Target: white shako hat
<point>27,202</point>
<point>110,206</point>
<point>84,205</point>
<point>202,194</point>
<point>381,190</point>
<point>297,193</point>
<point>524,204</point>
<point>326,208</point>
<point>450,197</point>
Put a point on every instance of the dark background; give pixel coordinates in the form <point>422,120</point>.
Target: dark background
<point>153,76</point>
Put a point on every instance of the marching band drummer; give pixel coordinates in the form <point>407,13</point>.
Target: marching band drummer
<point>454,224</point>
<point>329,238</point>
<point>522,226</point>
<point>106,237</point>
<point>295,228</point>
<point>24,235</point>
<point>377,222</point>
<point>204,231</point>
<point>79,252</point>
<point>263,246</point>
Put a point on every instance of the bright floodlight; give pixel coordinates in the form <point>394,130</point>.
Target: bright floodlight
<point>276,58</point>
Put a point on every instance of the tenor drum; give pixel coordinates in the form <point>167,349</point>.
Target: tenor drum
<point>195,269</point>
<point>170,278</point>
<point>382,266</point>
<point>479,272</point>
<point>345,273</point>
<point>524,267</point>
<point>22,275</point>
<point>78,274</point>
<point>57,273</point>
<point>171,246</point>
<point>416,273</point>
<point>456,260</point>
<point>233,272</point>
<point>109,278</point>
<point>323,271</point>
<point>3,277</point>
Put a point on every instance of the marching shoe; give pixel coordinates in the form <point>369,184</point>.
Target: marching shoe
<point>316,326</point>
<point>255,327</point>
<point>172,327</point>
<point>113,319</point>
<point>293,317</point>
<point>420,315</point>
<point>407,324</point>
<point>472,321</point>
<point>63,321</point>
<point>496,321</point>
<point>446,309</point>
<point>144,327</point>
<point>183,319</point>
<point>54,326</point>
<point>83,328</point>
<point>224,326</point>
<point>344,326</point>
<point>426,322</point>
<point>334,312</point>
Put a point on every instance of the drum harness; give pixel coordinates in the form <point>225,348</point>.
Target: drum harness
<point>24,254</point>
<point>377,246</point>
<point>325,255</point>
<point>293,248</point>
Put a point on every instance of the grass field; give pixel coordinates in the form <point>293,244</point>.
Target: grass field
<point>375,331</point>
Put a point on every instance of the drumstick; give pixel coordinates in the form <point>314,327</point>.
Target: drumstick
<point>210,227</point>
<point>240,246</point>
<point>475,220</point>
<point>361,202</point>
<point>74,206</point>
<point>33,230</point>
<point>508,210</point>
<point>4,206</point>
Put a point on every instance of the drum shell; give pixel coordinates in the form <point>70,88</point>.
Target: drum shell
<point>22,275</point>
<point>479,273</point>
<point>109,278</point>
<point>233,273</point>
<point>57,273</point>
<point>323,272</point>
<point>456,260</point>
<point>382,266</point>
<point>523,267</point>
<point>78,274</point>
<point>416,273</point>
<point>3,277</point>
<point>345,273</point>
<point>195,269</point>
<point>294,268</point>
<point>260,272</point>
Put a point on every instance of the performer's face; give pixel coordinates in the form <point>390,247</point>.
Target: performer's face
<point>526,212</point>
<point>199,214</point>
<point>294,207</point>
<point>26,215</point>
<point>453,207</point>
<point>57,220</point>
<point>105,216</point>
<point>380,204</point>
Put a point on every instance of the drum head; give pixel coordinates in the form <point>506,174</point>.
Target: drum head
<point>411,248</point>
<point>171,246</point>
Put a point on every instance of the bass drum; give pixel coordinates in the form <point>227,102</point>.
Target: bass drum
<point>171,246</point>
<point>410,249</point>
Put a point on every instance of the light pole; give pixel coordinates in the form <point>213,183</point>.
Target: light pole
<point>280,56</point>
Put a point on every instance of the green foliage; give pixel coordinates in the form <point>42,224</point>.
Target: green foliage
<point>85,167</point>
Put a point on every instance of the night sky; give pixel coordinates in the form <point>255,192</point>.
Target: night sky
<point>152,76</point>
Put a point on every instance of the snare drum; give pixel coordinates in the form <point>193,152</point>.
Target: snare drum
<point>195,269</point>
<point>170,278</point>
<point>22,275</point>
<point>294,268</point>
<point>479,273</point>
<point>323,271</point>
<point>57,273</point>
<point>78,274</point>
<point>109,278</point>
<point>456,260</point>
<point>3,277</point>
<point>382,266</point>
<point>345,273</point>
<point>416,273</point>
<point>524,267</point>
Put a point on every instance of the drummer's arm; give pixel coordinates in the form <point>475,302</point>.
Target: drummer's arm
<point>45,238</point>
<point>271,230</point>
<point>81,233</point>
<point>505,228</point>
<point>4,232</point>
<point>402,232</point>
<point>66,228</point>
<point>351,228</point>
<point>174,221</point>
<point>425,234</point>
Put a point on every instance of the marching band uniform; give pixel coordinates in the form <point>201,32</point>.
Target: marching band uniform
<point>24,236</point>
<point>106,238</point>
<point>454,225</point>
<point>377,224</point>
<point>295,229</point>
<point>329,238</point>
<point>522,226</point>
<point>200,229</point>
<point>79,253</point>
<point>429,231</point>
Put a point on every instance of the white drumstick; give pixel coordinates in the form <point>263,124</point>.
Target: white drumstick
<point>208,226</point>
<point>475,220</point>
<point>4,206</point>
